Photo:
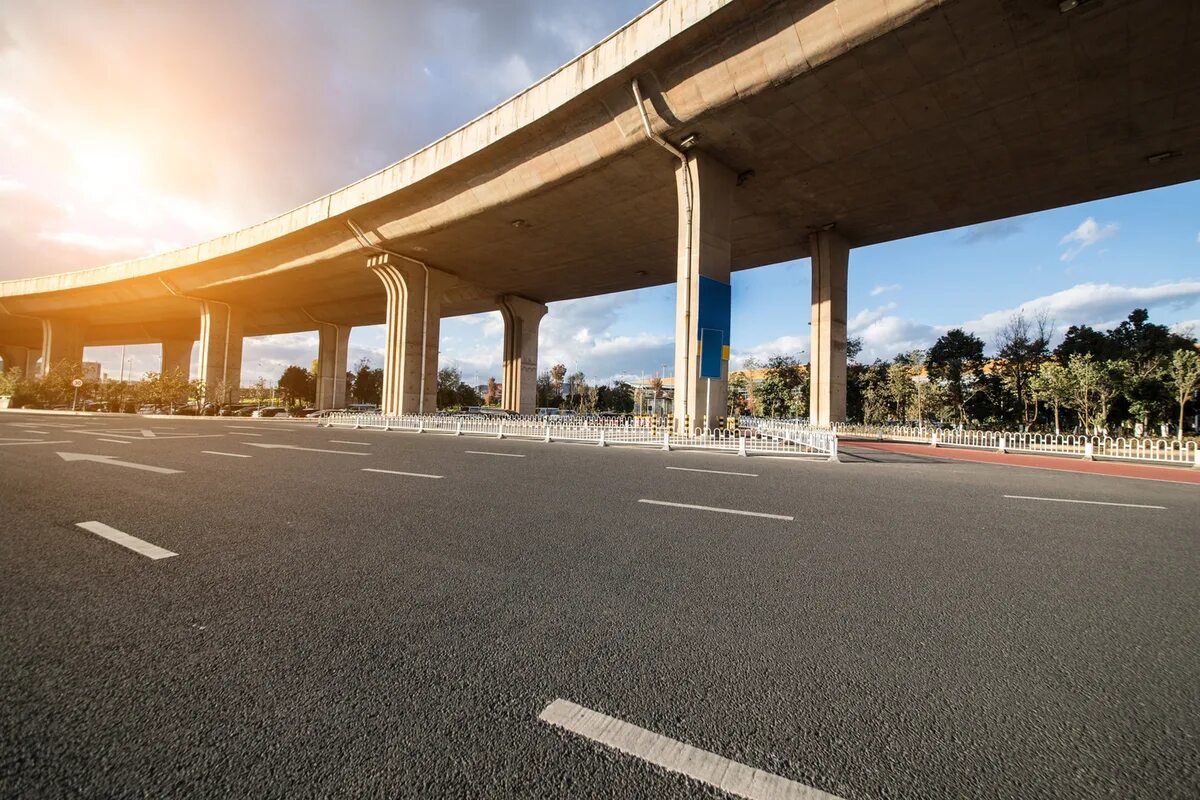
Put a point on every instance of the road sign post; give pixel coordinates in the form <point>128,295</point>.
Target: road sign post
<point>74,400</point>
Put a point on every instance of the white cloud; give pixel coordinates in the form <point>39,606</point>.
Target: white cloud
<point>1088,233</point>
<point>783,345</point>
<point>887,336</point>
<point>90,241</point>
<point>867,316</point>
<point>1092,304</point>
<point>881,289</point>
<point>1189,327</point>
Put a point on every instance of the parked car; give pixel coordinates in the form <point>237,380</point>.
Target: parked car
<point>270,411</point>
<point>245,411</point>
<point>362,408</point>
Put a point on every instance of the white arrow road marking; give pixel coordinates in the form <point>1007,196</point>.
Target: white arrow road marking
<point>673,755</point>
<point>125,540</point>
<point>34,441</point>
<point>112,461</point>
<point>394,472</point>
<point>306,449</point>
<point>714,508</point>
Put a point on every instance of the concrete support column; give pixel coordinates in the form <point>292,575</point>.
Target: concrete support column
<point>220,351</point>
<point>62,341</point>
<point>827,362</point>
<point>177,355</point>
<point>702,304</point>
<point>414,308</point>
<point>521,321</point>
<point>332,360</point>
<point>22,358</point>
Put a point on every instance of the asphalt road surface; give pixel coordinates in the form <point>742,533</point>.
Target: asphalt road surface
<point>917,628</point>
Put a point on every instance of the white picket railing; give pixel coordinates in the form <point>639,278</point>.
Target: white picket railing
<point>1159,450</point>
<point>772,440</point>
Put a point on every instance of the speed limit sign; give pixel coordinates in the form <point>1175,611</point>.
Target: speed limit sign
<point>77,383</point>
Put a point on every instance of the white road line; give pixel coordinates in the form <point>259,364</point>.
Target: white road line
<point>114,441</point>
<point>249,434</point>
<point>721,510</point>
<point>35,441</point>
<point>343,441</point>
<point>1081,502</point>
<point>675,756</point>
<point>244,427</point>
<point>714,471</point>
<point>409,474</point>
<point>493,453</point>
<point>39,433</point>
<point>232,455</point>
<point>125,540</point>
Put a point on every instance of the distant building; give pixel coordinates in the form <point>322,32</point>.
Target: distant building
<point>91,371</point>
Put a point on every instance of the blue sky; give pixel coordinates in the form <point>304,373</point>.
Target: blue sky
<point>114,144</point>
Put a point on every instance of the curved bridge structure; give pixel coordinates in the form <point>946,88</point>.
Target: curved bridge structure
<point>703,137</point>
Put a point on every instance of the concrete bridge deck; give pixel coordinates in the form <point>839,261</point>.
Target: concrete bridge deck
<point>878,120</point>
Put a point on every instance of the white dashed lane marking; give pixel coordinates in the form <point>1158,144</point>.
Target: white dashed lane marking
<point>1081,502</point>
<point>395,472</point>
<point>231,455</point>
<point>719,510</point>
<point>493,453</point>
<point>671,754</point>
<point>344,441</point>
<point>714,471</point>
<point>125,540</point>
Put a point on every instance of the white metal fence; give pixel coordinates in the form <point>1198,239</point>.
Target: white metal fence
<point>1169,451</point>
<point>778,440</point>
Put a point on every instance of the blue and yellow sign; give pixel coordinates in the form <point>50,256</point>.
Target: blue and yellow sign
<point>712,326</point>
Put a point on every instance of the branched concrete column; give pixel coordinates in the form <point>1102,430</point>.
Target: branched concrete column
<point>62,340</point>
<point>177,355</point>
<point>332,357</point>
<point>220,351</point>
<point>827,362</point>
<point>414,308</point>
<point>702,297</point>
<point>521,321</point>
<point>22,358</point>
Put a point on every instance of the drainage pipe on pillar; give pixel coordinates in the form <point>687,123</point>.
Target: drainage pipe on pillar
<point>228,330</point>
<point>336,342</point>
<point>687,245</point>
<point>365,242</point>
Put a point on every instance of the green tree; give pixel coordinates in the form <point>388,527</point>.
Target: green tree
<point>1184,370</point>
<point>297,385</point>
<point>956,360</point>
<point>448,381</point>
<point>492,396</point>
<point>558,374</point>
<point>1023,343</point>
<point>1053,385</point>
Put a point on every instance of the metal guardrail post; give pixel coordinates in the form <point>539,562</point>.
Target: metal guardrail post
<point>1002,447</point>
<point>602,444</point>
<point>742,447</point>
<point>933,439</point>
<point>666,441</point>
<point>1089,451</point>
<point>833,448</point>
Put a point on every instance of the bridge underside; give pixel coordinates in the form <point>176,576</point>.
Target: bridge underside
<point>970,111</point>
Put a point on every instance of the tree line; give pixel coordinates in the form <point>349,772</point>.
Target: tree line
<point>1138,378</point>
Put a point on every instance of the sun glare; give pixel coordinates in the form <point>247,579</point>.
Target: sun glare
<point>107,168</point>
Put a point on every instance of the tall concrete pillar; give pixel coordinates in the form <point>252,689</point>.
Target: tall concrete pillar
<point>220,351</point>
<point>62,341</point>
<point>702,296</point>
<point>521,321</point>
<point>332,358</point>
<point>414,308</point>
<point>827,362</point>
<point>22,358</point>
<point>177,355</point>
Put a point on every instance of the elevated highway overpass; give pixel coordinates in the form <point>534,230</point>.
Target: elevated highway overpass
<point>705,136</point>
